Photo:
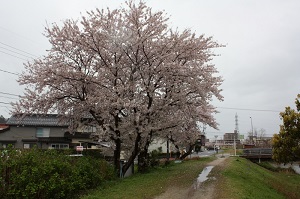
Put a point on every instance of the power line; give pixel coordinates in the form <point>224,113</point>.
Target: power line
<point>8,97</point>
<point>246,109</point>
<point>13,55</point>
<point>15,52</point>
<point>9,94</point>
<point>4,103</point>
<point>21,36</point>
<point>5,71</point>
<point>17,49</point>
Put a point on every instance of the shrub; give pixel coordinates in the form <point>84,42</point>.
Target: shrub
<point>155,156</point>
<point>49,174</point>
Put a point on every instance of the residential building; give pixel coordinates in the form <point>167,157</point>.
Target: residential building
<point>44,131</point>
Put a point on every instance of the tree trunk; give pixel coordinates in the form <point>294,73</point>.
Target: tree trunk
<point>117,155</point>
<point>188,152</point>
<point>143,158</point>
<point>177,148</point>
<point>134,153</point>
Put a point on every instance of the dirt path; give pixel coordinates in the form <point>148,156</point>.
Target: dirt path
<point>204,190</point>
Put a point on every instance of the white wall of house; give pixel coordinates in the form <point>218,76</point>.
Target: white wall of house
<point>159,142</point>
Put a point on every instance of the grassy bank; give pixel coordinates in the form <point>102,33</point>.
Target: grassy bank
<point>241,178</point>
<point>153,183</point>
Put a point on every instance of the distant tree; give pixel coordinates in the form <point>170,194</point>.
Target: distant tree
<point>260,133</point>
<point>2,119</point>
<point>131,75</point>
<point>286,144</point>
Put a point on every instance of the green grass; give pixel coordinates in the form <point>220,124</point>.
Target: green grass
<point>242,179</point>
<point>153,183</point>
<point>237,178</point>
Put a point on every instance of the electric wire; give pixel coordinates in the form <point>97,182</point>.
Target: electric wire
<point>8,97</point>
<point>248,109</point>
<point>17,49</point>
<point>13,55</point>
<point>5,71</point>
<point>21,36</point>
<point>9,94</point>
<point>16,52</point>
<point>4,103</point>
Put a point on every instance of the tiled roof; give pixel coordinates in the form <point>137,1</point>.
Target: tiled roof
<point>36,120</point>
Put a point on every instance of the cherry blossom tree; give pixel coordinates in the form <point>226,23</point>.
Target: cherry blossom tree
<point>127,72</point>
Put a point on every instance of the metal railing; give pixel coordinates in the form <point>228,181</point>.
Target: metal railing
<point>257,153</point>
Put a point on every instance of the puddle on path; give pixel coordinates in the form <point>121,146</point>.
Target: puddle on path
<point>203,176</point>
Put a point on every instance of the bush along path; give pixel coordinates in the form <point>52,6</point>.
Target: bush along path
<point>49,174</point>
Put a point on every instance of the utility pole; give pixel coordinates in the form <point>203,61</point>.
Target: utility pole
<point>215,141</point>
<point>251,131</point>
<point>234,143</point>
<point>236,133</point>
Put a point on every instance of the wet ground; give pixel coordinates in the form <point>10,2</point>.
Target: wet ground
<point>202,176</point>
<point>197,190</point>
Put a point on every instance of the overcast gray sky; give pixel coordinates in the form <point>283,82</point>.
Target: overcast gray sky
<point>260,64</point>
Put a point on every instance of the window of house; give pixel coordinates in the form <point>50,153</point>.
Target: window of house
<point>59,146</point>
<point>29,145</point>
<point>5,145</point>
<point>42,132</point>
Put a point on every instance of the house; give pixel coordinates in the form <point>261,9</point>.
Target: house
<point>44,131</point>
<point>4,128</point>
<point>162,143</point>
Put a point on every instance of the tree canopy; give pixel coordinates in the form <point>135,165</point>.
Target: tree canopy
<point>129,73</point>
<point>286,144</point>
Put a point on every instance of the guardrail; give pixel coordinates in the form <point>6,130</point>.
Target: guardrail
<point>257,153</point>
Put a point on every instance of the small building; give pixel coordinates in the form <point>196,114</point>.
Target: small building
<point>231,138</point>
<point>44,131</point>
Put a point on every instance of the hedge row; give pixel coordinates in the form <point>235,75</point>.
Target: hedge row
<point>49,174</point>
